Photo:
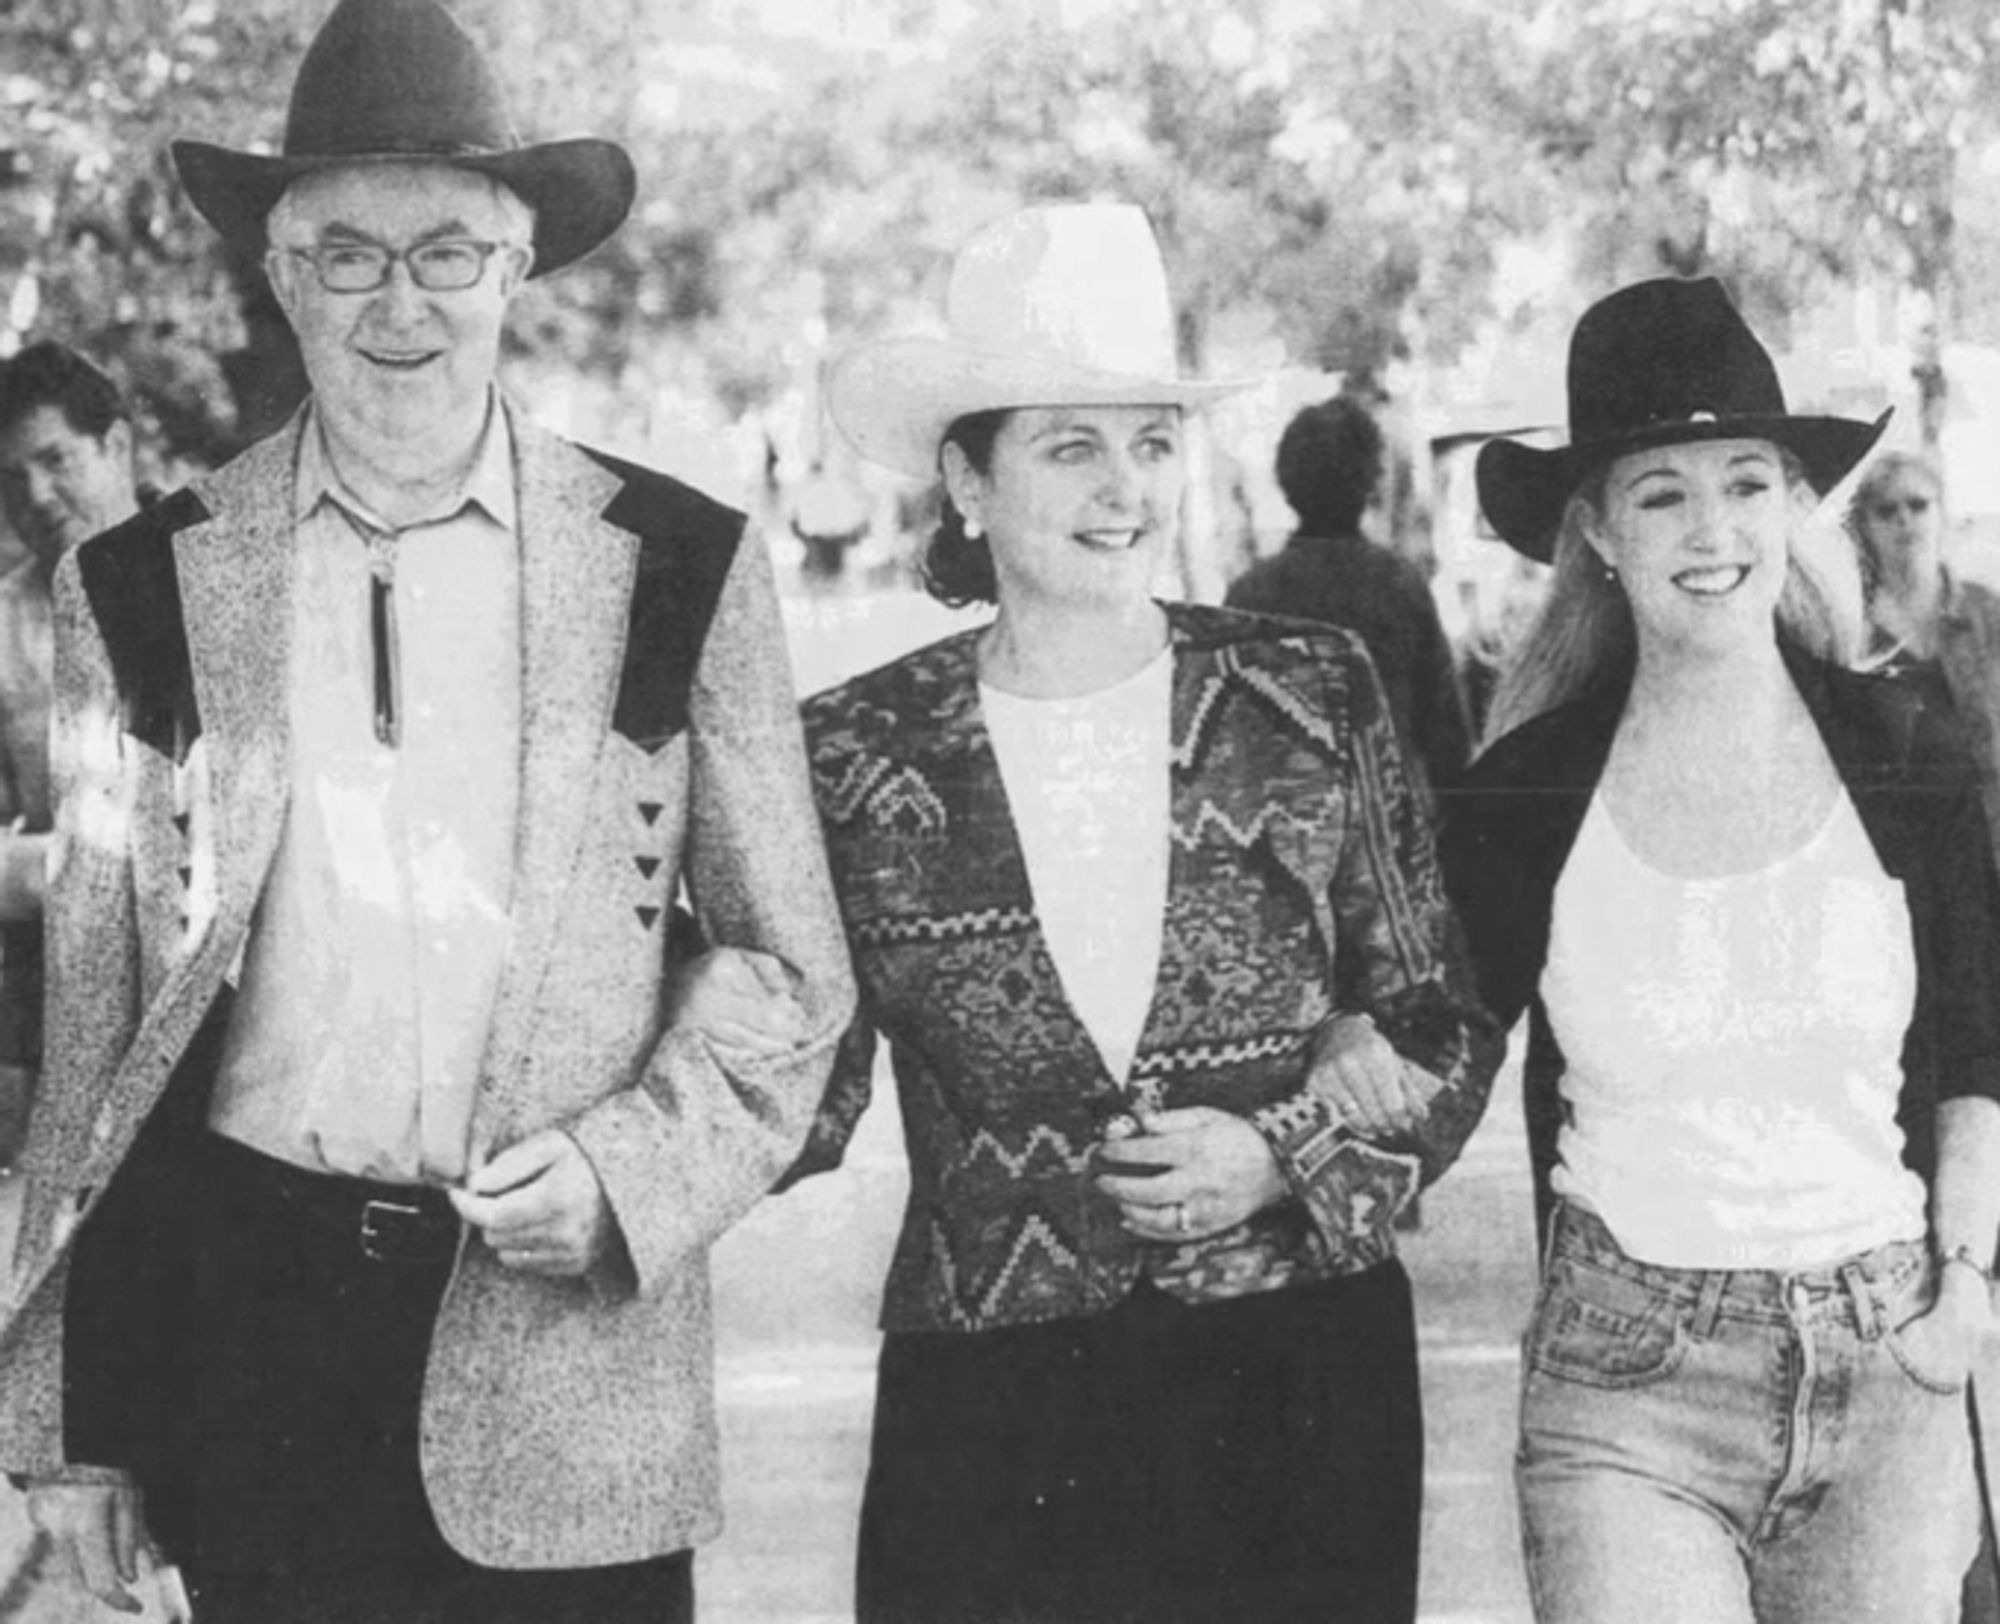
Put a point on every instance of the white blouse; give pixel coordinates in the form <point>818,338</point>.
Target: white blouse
<point>1088,786</point>
<point>1734,1051</point>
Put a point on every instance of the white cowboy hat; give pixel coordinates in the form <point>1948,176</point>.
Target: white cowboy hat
<point>1059,305</point>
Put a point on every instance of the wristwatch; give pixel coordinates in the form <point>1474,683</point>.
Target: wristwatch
<point>1968,1254</point>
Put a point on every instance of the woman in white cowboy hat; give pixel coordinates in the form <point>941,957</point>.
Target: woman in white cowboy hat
<point>1118,875</point>
<point>1747,896</point>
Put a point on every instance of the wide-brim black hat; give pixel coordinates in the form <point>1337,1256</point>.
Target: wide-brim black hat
<point>1658,363</point>
<point>399,81</point>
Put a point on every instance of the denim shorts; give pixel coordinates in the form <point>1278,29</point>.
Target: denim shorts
<point>1739,1445</point>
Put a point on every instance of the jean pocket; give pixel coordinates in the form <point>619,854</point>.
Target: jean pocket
<point>1924,1368</point>
<point>1603,1329</point>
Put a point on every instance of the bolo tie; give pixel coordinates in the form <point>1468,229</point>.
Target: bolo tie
<point>384,644</point>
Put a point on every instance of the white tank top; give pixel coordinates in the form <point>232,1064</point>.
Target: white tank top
<point>1089,786</point>
<point>1734,1051</point>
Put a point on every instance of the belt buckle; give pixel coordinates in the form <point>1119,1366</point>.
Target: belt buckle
<point>394,1232</point>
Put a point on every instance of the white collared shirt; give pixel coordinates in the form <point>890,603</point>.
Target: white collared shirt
<point>369,983</point>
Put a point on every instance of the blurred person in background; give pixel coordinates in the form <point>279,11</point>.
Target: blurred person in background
<point>829,515</point>
<point>1120,877</point>
<point>1746,896</point>
<point>65,475</point>
<point>1922,615</point>
<point>1897,520</point>
<point>362,1270</point>
<point>1330,467</point>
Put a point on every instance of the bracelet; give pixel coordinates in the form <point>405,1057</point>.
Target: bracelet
<point>1968,1254</point>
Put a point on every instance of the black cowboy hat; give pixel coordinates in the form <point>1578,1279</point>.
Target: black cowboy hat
<point>401,81</point>
<point>1658,363</point>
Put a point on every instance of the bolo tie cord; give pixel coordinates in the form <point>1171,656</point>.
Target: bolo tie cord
<point>384,643</point>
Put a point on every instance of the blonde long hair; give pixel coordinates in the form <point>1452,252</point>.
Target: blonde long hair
<point>1883,469</point>
<point>1585,633</point>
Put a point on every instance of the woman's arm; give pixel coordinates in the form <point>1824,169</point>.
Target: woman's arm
<point>1399,960</point>
<point>1395,958</point>
<point>848,1092</point>
<point>1954,1054</point>
<point>1965,1221</point>
<point>741,1002</point>
<point>1965,1194</point>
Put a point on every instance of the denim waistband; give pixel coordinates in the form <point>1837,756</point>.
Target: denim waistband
<point>1875,1288</point>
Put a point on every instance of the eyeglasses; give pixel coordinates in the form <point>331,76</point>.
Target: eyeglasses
<point>445,265</point>
<point>1915,506</point>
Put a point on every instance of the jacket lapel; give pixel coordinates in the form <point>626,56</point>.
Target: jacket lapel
<point>235,575</point>
<point>986,869</point>
<point>234,572</point>
<point>576,588</point>
<point>1195,689</point>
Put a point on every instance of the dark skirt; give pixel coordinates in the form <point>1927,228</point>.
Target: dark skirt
<point>1258,1458</point>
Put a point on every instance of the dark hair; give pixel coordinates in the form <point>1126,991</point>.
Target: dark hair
<point>957,569</point>
<point>51,374</point>
<point>1329,464</point>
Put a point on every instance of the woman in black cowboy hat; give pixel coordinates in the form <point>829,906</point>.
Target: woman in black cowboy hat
<point>1747,898</point>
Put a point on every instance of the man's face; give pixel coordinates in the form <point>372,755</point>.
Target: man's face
<point>59,486</point>
<point>398,364</point>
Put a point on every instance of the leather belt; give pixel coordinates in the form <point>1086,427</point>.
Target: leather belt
<point>389,1223</point>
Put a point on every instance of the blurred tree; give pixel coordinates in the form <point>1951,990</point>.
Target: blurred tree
<point>1790,146</point>
<point>1324,165</point>
<point>94,246</point>
<point>1336,174</point>
<point>1314,172</point>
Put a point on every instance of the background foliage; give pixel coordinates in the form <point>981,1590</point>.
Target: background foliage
<point>1359,181</point>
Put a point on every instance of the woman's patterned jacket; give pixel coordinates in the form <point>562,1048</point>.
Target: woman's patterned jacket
<point>1302,882</point>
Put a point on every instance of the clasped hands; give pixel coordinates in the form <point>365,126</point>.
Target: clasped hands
<point>539,1206</point>
<point>1201,1171</point>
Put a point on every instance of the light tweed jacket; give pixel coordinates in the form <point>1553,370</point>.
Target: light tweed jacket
<point>564,1423</point>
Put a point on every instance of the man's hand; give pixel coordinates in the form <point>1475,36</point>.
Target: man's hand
<point>738,997</point>
<point>96,1531</point>
<point>539,1205</point>
<point>1375,1091</point>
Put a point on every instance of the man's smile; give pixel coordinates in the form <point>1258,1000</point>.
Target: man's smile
<point>400,360</point>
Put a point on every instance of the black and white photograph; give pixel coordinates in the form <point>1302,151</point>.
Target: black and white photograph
<point>1092,812</point>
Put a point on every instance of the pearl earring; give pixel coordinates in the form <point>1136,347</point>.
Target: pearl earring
<point>973,528</point>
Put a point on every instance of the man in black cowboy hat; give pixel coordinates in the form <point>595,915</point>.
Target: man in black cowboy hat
<point>362,1270</point>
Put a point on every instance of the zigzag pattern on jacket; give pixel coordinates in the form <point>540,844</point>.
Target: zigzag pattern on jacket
<point>1301,881</point>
